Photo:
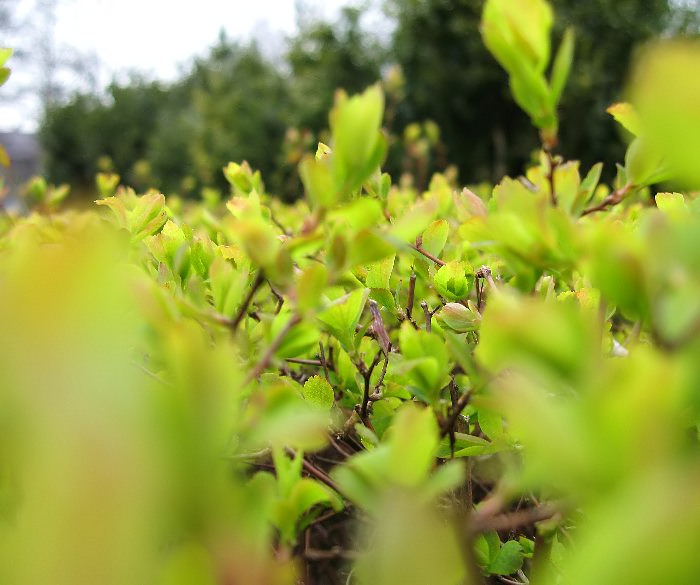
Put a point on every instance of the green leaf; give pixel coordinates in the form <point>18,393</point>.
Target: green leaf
<point>318,392</point>
<point>672,204</point>
<point>551,336</point>
<point>368,247</point>
<point>528,546</point>
<point>645,164</point>
<point>148,216</point>
<point>454,280</point>
<point>491,423</point>
<point>259,240</point>
<point>310,286</point>
<point>587,188</point>
<point>379,273</point>
<point>343,315</point>
<point>413,441</point>
<point>435,236</point>
<point>521,28</point>
<point>414,221</point>
<point>317,177</point>
<point>299,340</point>
<point>426,361</point>
<point>5,54</point>
<point>359,214</point>
<point>358,145</point>
<point>665,90</point>
<point>507,560</point>
<point>627,116</point>
<point>227,286</point>
<point>562,66</point>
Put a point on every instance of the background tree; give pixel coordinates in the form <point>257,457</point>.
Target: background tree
<point>452,79</point>
<point>239,109</point>
<point>325,56</point>
<point>451,100</point>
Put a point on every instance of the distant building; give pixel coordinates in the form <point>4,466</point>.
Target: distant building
<point>25,160</point>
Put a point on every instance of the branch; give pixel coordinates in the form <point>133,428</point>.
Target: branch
<point>324,364</point>
<point>553,164</point>
<point>411,294</point>
<point>303,362</point>
<point>367,375</point>
<point>273,347</point>
<point>457,409</point>
<point>613,199</point>
<point>428,316</point>
<point>376,395</point>
<point>259,279</point>
<point>428,255</point>
<point>315,472</point>
<point>311,554</point>
<point>513,520</point>
<point>378,327</point>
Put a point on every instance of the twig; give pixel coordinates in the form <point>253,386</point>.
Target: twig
<point>274,220</point>
<point>428,255</point>
<point>278,296</point>
<point>376,395</point>
<point>428,316</point>
<point>550,176</point>
<point>273,347</point>
<point>304,362</point>
<point>485,273</point>
<point>379,328</point>
<point>323,362</point>
<point>613,199</point>
<point>411,294</point>
<point>457,409</point>
<point>259,279</point>
<point>336,552</point>
<point>509,581</point>
<point>251,456</point>
<point>512,520</point>
<point>314,471</point>
<point>454,398</point>
<point>367,375</point>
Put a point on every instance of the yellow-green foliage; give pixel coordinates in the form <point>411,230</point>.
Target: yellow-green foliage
<point>399,387</point>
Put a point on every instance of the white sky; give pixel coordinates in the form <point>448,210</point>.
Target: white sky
<point>156,37</point>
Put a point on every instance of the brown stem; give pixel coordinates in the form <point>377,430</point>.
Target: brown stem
<point>376,395</point>
<point>613,199</point>
<point>411,294</point>
<point>334,553</point>
<point>428,255</point>
<point>428,316</point>
<point>457,409</point>
<point>304,362</point>
<point>314,471</point>
<point>513,520</point>
<point>378,327</point>
<point>324,364</point>
<point>259,279</point>
<point>270,352</point>
<point>550,176</point>
<point>367,375</point>
<point>278,296</point>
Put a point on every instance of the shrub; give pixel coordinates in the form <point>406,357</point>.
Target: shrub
<point>371,385</point>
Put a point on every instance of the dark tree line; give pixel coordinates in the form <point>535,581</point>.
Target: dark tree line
<point>235,104</point>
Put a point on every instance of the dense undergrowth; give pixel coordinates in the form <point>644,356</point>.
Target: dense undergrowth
<point>371,385</point>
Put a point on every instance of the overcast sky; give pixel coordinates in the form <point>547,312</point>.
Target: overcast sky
<point>156,37</point>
